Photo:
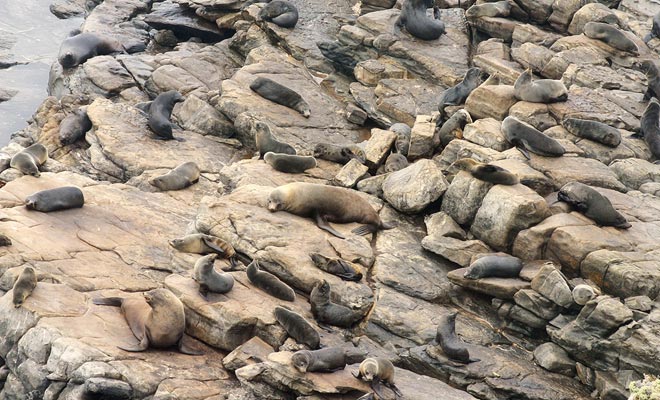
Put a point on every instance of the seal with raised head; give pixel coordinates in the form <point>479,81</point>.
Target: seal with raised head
<point>650,69</point>
<point>326,360</point>
<point>395,162</point>
<point>160,112</point>
<point>539,90</point>
<point>74,126</point>
<point>339,154</point>
<point>326,204</point>
<point>650,127</point>
<point>593,130</point>
<point>200,243</point>
<point>24,286</point>
<point>269,283</point>
<point>486,172</point>
<point>30,159</point>
<point>346,270</point>
<point>61,198</point>
<point>451,129</point>
<point>297,327</point>
<point>179,178</point>
<point>456,95</point>
<point>209,279</point>
<point>157,319</point>
<point>449,342</point>
<point>77,49</point>
<point>611,36</point>
<point>592,204</point>
<point>413,17</point>
<point>289,163</point>
<point>402,142</point>
<point>267,143</point>
<point>280,12</point>
<point>496,9</point>
<point>377,371</point>
<point>326,311</point>
<point>527,138</point>
<point>280,94</point>
<point>655,28</point>
<point>494,266</point>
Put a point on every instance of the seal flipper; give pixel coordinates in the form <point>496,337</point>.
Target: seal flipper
<point>364,229</point>
<point>524,152</point>
<point>186,350</point>
<point>322,223</point>
<point>212,245</point>
<point>142,346</point>
<point>203,290</point>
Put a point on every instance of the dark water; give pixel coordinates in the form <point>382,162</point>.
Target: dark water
<point>38,34</point>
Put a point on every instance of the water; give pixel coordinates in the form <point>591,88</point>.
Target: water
<point>39,34</point>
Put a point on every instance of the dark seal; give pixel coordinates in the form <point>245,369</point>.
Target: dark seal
<point>456,95</point>
<point>280,12</point>
<point>209,279</point>
<point>451,129</point>
<point>269,283</point>
<point>326,311</point>
<point>449,342</point>
<point>339,154</point>
<point>289,163</point>
<point>61,198</point>
<point>298,327</point>
<point>494,266</point>
<point>650,127</point>
<point>611,36</point>
<point>346,270</point>
<point>326,360</point>
<point>265,141</point>
<point>413,17</point>
<point>74,126</point>
<point>160,113</point>
<point>655,29</point>
<point>539,90</point>
<point>486,172</point>
<point>79,48</point>
<point>403,132</point>
<point>280,94</point>
<point>592,204</point>
<point>527,138</point>
<point>593,130</point>
<point>650,69</point>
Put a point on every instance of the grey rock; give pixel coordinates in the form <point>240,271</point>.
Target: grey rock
<point>554,359</point>
<point>350,174</point>
<point>413,188</point>
<point>551,284</point>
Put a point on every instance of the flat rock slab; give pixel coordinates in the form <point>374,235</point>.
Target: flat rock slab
<point>562,170</point>
<point>182,21</point>
<point>502,288</point>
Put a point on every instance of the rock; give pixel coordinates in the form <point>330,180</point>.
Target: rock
<point>530,243</point>
<point>490,101</point>
<point>198,116</point>
<point>550,283</point>
<point>592,12</point>
<point>370,72</point>
<point>536,303</point>
<point>373,185</point>
<point>562,170</point>
<point>350,174</point>
<point>183,22</point>
<point>555,359</point>
<point>486,132</point>
<point>253,351</point>
<point>535,114</point>
<point>502,288</point>
<point>441,224</point>
<point>508,311</point>
<point>634,172</point>
<point>378,146</point>
<point>413,188</point>
<point>624,274</point>
<point>464,197</point>
<point>356,115</point>
<point>455,250</point>
<point>563,11</point>
<point>640,303</point>
<point>421,137</point>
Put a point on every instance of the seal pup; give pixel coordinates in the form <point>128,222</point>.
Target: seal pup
<point>498,266</point>
<point>339,154</point>
<point>593,130</point>
<point>446,338</point>
<point>267,143</point>
<point>497,9</point>
<point>451,129</point>
<point>24,286</point>
<point>269,283</point>
<point>527,138</point>
<point>280,12</point>
<point>650,69</point>
<point>611,36</point>
<point>592,204</point>
<point>209,279</point>
<point>297,327</point>
<point>156,320</point>
<point>413,17</point>
<point>326,360</point>
<point>200,243</point>
<point>486,172</point>
<point>74,126</point>
<point>61,198</point>
<point>289,163</point>
<point>326,204</point>
<point>160,112</point>
<point>377,371</point>
<point>30,159</point>
<point>582,294</point>
<point>650,127</point>
<point>540,90</point>
<point>179,178</point>
<point>402,142</point>
<point>346,270</point>
<point>395,162</point>
<point>456,95</point>
<point>280,94</point>
<point>655,29</point>
<point>326,311</point>
<point>77,49</point>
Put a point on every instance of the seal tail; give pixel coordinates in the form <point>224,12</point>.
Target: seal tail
<point>108,301</point>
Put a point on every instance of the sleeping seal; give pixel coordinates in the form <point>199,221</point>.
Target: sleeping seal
<point>280,94</point>
<point>74,126</point>
<point>592,204</point>
<point>611,36</point>
<point>30,159</point>
<point>77,49</point>
<point>539,90</point>
<point>593,130</point>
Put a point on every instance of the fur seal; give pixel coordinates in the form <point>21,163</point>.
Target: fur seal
<point>527,138</point>
<point>269,283</point>
<point>655,28</point>
<point>610,35</point>
<point>650,69</point>
<point>486,172</point>
<point>61,198</point>
<point>4,240</point>
<point>280,94</point>
<point>402,142</point>
<point>289,163</point>
<point>339,154</point>
<point>209,279</point>
<point>297,327</point>
<point>456,95</point>
<point>325,311</point>
<point>451,129</point>
<point>593,130</point>
<point>326,204</point>
<point>179,178</point>
<point>346,270</point>
<point>582,294</point>
<point>156,320</point>
<point>280,12</point>
<point>497,9</point>
<point>395,162</point>
<point>413,17</point>
<point>74,126</point>
<point>540,90</point>
<point>160,112</point>
<point>592,204</point>
<point>650,127</point>
<point>200,243</point>
<point>449,342</point>
<point>326,360</point>
<point>24,286</point>
<point>30,159</point>
<point>77,49</point>
<point>377,371</point>
<point>267,143</point>
<point>494,266</point>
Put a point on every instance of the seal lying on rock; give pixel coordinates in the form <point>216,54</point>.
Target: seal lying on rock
<point>160,112</point>
<point>592,204</point>
<point>280,94</point>
<point>496,9</point>
<point>611,36</point>
<point>496,266</point>
<point>456,95</point>
<point>650,127</point>
<point>650,69</point>
<point>179,178</point>
<point>74,126</point>
<point>527,138</point>
<point>486,172</point>
<point>593,130</point>
<point>200,243</point>
<point>24,286</point>
<point>339,154</point>
<point>77,49</point>
<point>289,163</point>
<point>61,198</point>
<point>280,12</point>
<point>540,90</point>
<point>326,204</point>
<point>267,143</point>
<point>413,17</point>
<point>336,266</point>
<point>326,311</point>
<point>30,159</point>
<point>377,371</point>
<point>298,327</point>
<point>269,283</point>
<point>450,344</point>
<point>451,129</point>
<point>326,360</point>
<point>209,279</point>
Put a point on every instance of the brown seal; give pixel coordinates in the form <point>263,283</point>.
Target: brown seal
<point>209,279</point>
<point>592,204</point>
<point>179,178</point>
<point>280,94</point>
<point>200,243</point>
<point>346,270</point>
<point>451,129</point>
<point>377,371</point>
<point>298,327</point>
<point>289,163</point>
<point>326,360</point>
<point>269,283</point>
<point>62,198</point>
<point>326,311</point>
<point>24,286</point>
<point>267,143</point>
<point>30,159</point>
<point>539,90</point>
<point>486,172</point>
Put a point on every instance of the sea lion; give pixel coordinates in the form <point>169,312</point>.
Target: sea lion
<point>582,294</point>
<point>269,283</point>
<point>24,286</point>
<point>267,143</point>
<point>326,311</point>
<point>497,9</point>
<point>650,127</point>
<point>160,112</point>
<point>413,17</point>
<point>527,138</point>
<point>209,279</point>
<point>540,90</point>
<point>74,126</point>
<point>61,198</point>
<point>456,95</point>
<point>486,172</point>
<point>156,320</point>
<point>289,163</point>
<point>378,370</point>
<point>592,204</point>
<point>650,69</point>
<point>77,49</point>
<point>395,162</point>
<point>346,270</point>
<point>297,327</point>
<point>30,159</point>
<point>326,204</point>
<point>449,342</point>
<point>593,130</point>
<point>326,360</point>
<point>402,142</point>
<point>280,94</point>
<point>451,129</point>
<point>179,178</point>
<point>200,243</point>
<point>494,266</point>
<point>339,154</point>
<point>610,35</point>
<point>280,12</point>
<point>655,28</point>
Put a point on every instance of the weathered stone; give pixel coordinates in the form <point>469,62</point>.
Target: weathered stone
<point>502,288</point>
<point>441,224</point>
<point>378,146</point>
<point>530,243</point>
<point>459,148</point>
<point>413,188</point>
<point>538,304</point>
<point>486,132</point>
<point>526,33</point>
<point>634,172</point>
<point>199,116</point>
<point>535,114</point>
<point>350,173</point>
<point>551,284</point>
<point>624,274</point>
<point>563,11</point>
<point>455,250</point>
<point>371,72</point>
<point>562,170</point>
<point>490,101</point>
<point>531,55</point>
<point>373,185</point>
<point>593,12</point>
<point>509,311</point>
<point>253,351</point>
<point>528,176</point>
<point>554,358</point>
<point>421,137</point>
<point>464,197</point>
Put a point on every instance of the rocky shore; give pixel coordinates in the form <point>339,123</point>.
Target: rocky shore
<point>532,337</point>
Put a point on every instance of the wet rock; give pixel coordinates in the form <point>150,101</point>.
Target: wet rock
<point>555,359</point>
<point>413,188</point>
